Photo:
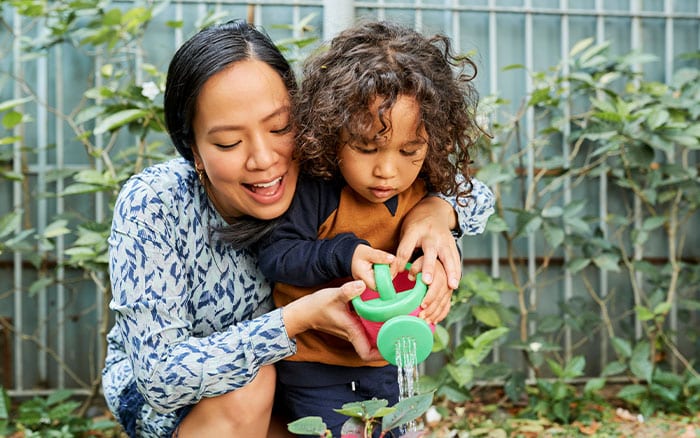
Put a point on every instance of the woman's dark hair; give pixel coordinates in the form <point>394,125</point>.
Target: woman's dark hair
<point>386,60</point>
<point>205,54</point>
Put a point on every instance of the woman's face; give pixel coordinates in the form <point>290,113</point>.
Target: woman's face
<point>244,142</point>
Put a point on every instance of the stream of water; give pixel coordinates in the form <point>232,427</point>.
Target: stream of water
<point>408,373</point>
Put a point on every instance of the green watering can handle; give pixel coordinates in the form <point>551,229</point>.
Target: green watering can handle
<point>390,304</point>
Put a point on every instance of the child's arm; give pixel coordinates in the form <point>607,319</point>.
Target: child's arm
<point>292,252</point>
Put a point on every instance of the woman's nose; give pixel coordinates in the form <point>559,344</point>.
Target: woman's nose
<point>261,154</point>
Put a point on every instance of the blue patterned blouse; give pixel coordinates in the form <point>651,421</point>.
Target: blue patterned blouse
<point>193,317</point>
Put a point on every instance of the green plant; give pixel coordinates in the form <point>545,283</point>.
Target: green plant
<point>116,128</point>
<point>475,324</point>
<point>365,416</point>
<point>559,400</point>
<point>592,121</point>
<point>53,416</point>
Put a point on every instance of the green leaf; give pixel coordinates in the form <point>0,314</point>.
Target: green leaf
<point>556,368</point>
<point>58,396</point>
<point>64,410</point>
<point>550,324</point>
<point>575,367</point>
<point>7,104</point>
<point>441,338</point>
<point>11,119</point>
<point>622,347</point>
<point>10,222</point>
<point>308,426</point>
<point>632,392</point>
<point>662,308</point>
<point>118,119</point>
<point>654,222</point>
<point>462,375</point>
<point>488,315</point>
<point>594,385</point>
<point>407,410</point>
<point>644,313</point>
<point>364,409</point>
<point>640,364</point>
<point>39,284</point>
<point>576,265</point>
<point>657,118</point>
<point>613,369</point>
<point>580,46</point>
<point>89,113</point>
<point>496,224</point>
<point>513,67</point>
<point>607,262</point>
<point>552,212</point>
<point>56,228</point>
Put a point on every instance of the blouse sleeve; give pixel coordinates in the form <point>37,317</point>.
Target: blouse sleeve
<point>473,215</point>
<point>152,298</point>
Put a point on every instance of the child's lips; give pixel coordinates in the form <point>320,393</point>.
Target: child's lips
<point>382,192</point>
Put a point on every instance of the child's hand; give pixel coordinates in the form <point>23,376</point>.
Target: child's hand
<point>363,260</point>
<point>438,300</point>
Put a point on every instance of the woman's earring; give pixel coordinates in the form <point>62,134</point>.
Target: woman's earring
<point>200,174</point>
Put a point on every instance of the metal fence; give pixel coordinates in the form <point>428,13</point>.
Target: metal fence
<point>56,339</point>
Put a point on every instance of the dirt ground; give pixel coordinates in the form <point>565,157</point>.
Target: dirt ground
<point>493,417</point>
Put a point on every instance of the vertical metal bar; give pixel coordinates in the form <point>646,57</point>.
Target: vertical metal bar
<point>381,11</point>
<point>668,76</point>
<point>564,44</point>
<point>493,90</point>
<point>296,18</point>
<point>602,195</point>
<point>418,21</point>
<point>452,15</point>
<point>530,161</point>
<point>17,206</point>
<point>42,205</point>
<point>60,207</point>
<point>99,212</point>
<point>636,41</point>
<point>337,15</point>
<point>178,30</point>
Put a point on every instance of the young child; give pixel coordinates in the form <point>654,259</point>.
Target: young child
<point>384,116</point>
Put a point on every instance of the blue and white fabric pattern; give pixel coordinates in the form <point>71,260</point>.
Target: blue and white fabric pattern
<point>193,317</point>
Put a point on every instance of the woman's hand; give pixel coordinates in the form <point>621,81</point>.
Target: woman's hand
<point>428,226</point>
<point>327,311</point>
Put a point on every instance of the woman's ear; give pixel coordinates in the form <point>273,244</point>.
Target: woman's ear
<point>198,164</point>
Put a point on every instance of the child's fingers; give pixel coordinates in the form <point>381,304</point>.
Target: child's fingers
<point>437,309</point>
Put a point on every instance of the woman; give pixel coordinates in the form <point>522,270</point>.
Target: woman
<point>195,333</point>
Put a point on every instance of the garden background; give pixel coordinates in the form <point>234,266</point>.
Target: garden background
<point>587,279</point>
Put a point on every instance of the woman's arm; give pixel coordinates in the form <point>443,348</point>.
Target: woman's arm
<point>432,225</point>
<point>157,285</point>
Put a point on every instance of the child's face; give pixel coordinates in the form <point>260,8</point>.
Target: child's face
<point>390,163</point>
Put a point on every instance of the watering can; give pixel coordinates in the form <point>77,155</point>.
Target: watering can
<point>390,316</point>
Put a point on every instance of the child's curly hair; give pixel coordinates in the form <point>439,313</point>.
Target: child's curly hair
<point>385,60</point>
